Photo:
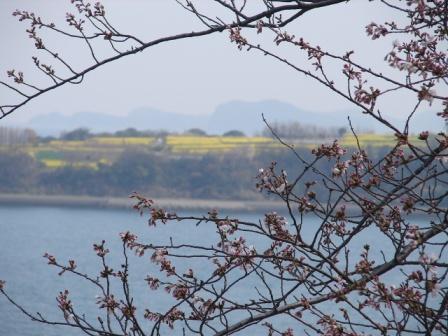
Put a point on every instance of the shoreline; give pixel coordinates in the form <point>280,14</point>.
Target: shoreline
<point>174,204</point>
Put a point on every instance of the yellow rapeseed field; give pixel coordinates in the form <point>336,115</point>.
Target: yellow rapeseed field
<point>372,140</point>
<point>201,145</point>
<point>54,163</point>
<point>66,143</point>
<point>120,141</point>
<point>50,163</point>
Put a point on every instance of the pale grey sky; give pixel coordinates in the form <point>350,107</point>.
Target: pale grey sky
<point>191,76</point>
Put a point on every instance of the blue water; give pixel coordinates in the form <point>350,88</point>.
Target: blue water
<point>26,233</point>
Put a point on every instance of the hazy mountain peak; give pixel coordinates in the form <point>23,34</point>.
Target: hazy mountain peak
<point>245,116</point>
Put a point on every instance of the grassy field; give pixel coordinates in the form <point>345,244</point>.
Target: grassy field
<point>95,151</point>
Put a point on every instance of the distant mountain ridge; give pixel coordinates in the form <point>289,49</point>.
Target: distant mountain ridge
<point>240,115</point>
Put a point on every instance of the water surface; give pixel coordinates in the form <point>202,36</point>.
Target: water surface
<point>26,233</point>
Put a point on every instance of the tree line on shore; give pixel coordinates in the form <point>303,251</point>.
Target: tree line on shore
<point>292,130</point>
<point>204,176</point>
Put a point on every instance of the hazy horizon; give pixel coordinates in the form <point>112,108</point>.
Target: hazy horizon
<point>242,115</point>
<point>177,77</point>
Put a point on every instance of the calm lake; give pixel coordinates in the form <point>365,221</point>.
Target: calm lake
<point>26,233</point>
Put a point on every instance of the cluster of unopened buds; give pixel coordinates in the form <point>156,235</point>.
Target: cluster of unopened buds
<point>427,94</point>
<point>172,316</point>
<point>331,327</point>
<point>142,202</point>
<point>330,228</point>
<point>36,21</point>
<point>375,30</point>
<point>364,266</point>
<point>394,215</point>
<point>276,225</point>
<point>313,52</point>
<point>339,168</point>
<point>351,73</point>
<point>420,54</point>
<point>204,307</point>
<point>130,240</point>
<point>127,310</point>
<point>159,258</point>
<point>270,181</point>
<point>83,7</point>
<point>70,267</point>
<point>51,259</point>
<point>221,268</point>
<point>354,180</point>
<point>64,303</point>
<point>366,97</point>
<point>407,294</point>
<point>159,255</point>
<point>283,37</point>
<point>330,151</point>
<point>396,157</point>
<point>304,203</point>
<point>153,283</point>
<point>226,227</point>
<point>179,290</point>
<point>17,77</point>
<point>238,251</point>
<point>71,20</point>
<point>360,161</point>
<point>237,38</point>
<point>158,214</point>
<point>108,302</point>
<point>100,250</point>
